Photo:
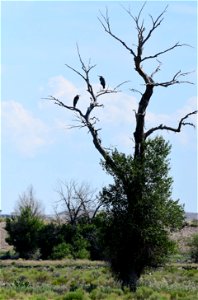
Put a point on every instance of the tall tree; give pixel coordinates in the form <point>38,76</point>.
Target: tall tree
<point>136,186</point>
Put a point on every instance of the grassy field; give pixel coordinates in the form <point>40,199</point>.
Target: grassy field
<point>88,280</point>
<point>85,280</point>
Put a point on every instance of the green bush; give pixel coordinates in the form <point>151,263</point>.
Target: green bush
<point>76,295</point>
<point>194,248</point>
<point>24,226</point>
<point>82,254</point>
<point>80,246</point>
<point>49,237</point>
<point>62,250</point>
<point>23,232</point>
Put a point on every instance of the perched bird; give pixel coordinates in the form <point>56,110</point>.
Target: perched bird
<point>76,98</point>
<point>102,81</point>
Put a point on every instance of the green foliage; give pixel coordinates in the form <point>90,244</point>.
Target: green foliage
<point>21,283</point>
<point>92,233</point>
<point>194,248</point>
<point>24,226</point>
<point>23,232</point>
<point>49,237</point>
<point>62,250</point>
<point>141,212</point>
<point>76,295</point>
<point>66,240</point>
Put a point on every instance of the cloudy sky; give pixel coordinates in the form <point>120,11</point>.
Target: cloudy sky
<point>38,39</point>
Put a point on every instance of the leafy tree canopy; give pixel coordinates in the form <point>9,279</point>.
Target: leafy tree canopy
<point>141,212</point>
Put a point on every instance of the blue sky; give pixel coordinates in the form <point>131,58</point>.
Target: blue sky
<point>37,39</point>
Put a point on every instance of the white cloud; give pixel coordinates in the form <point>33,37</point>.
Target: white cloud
<point>62,88</point>
<point>118,108</point>
<point>28,133</point>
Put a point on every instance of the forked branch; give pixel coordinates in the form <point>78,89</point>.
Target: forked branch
<point>142,40</point>
<point>177,129</point>
<point>104,20</point>
<point>175,80</point>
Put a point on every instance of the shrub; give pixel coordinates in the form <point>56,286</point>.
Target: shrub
<point>23,232</point>
<point>82,254</point>
<point>23,228</point>
<point>76,295</point>
<point>50,236</point>
<point>80,246</point>
<point>194,248</point>
<point>62,250</point>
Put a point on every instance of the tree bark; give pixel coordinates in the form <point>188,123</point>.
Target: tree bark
<point>140,119</point>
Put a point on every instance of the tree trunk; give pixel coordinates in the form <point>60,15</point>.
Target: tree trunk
<point>140,117</point>
<point>131,281</point>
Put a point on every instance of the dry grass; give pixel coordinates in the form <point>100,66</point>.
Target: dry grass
<point>42,263</point>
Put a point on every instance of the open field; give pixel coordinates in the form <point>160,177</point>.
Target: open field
<point>91,280</point>
<point>86,280</point>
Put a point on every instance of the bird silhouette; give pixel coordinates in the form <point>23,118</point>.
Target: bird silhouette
<point>76,98</point>
<point>102,81</point>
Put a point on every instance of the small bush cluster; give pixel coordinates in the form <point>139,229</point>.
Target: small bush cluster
<point>33,238</point>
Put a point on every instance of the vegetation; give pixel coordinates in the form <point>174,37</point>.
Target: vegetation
<point>194,248</point>
<point>130,238</point>
<point>140,211</point>
<point>76,237</point>
<point>60,280</point>
<point>133,230</point>
<point>24,226</point>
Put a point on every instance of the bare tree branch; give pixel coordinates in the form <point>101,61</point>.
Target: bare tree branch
<point>155,24</point>
<point>112,91</point>
<point>106,25</point>
<point>77,72</point>
<point>136,91</point>
<point>177,129</point>
<point>77,201</point>
<point>164,51</point>
<point>174,80</point>
<point>157,68</point>
<point>60,103</point>
<point>141,28</point>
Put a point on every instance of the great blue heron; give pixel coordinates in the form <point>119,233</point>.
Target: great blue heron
<point>102,81</point>
<point>76,98</point>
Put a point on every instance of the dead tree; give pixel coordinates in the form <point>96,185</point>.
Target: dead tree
<point>88,120</point>
<point>78,201</point>
<point>138,56</point>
